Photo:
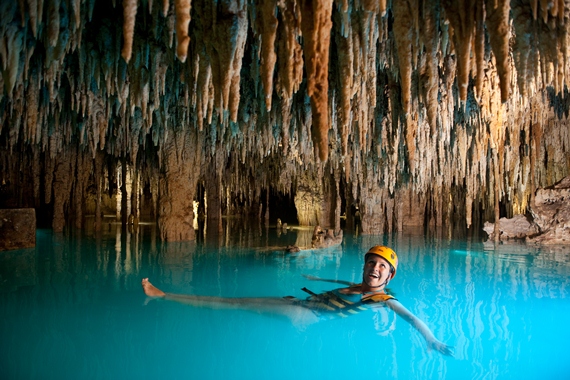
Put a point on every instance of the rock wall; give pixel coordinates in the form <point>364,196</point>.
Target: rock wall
<point>17,229</point>
<point>548,221</point>
<point>551,214</point>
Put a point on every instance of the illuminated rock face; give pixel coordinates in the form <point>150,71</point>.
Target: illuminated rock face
<point>548,221</point>
<point>551,213</point>
<point>432,112</point>
<point>177,185</point>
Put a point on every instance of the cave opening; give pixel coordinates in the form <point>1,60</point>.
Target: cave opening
<point>282,206</point>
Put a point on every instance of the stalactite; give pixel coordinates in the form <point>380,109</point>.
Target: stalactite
<point>10,47</point>
<point>129,14</point>
<point>345,77</point>
<point>33,14</point>
<point>76,6</point>
<point>158,73</point>
<point>369,33</point>
<point>136,128</point>
<point>497,22</point>
<point>316,24</point>
<point>171,25</point>
<point>403,34</point>
<point>97,123</point>
<point>203,89</point>
<point>224,38</point>
<point>290,74</point>
<point>286,124</point>
<point>461,17</point>
<point>236,64</point>
<point>182,9</point>
<point>53,22</point>
<point>266,24</point>
<point>479,46</point>
<point>29,52</point>
<point>165,6</point>
<point>522,23</point>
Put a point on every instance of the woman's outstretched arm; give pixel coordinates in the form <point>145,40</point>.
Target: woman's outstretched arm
<point>315,278</point>
<point>419,325</point>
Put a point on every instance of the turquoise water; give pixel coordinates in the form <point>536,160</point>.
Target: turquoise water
<point>73,308</point>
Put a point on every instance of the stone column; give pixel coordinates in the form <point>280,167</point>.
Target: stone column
<point>213,200</point>
<point>135,195</point>
<point>384,212</point>
<point>99,159</point>
<point>84,167</point>
<point>338,205</point>
<point>315,200</point>
<point>124,192</point>
<point>62,181</point>
<point>177,186</point>
<point>308,202</point>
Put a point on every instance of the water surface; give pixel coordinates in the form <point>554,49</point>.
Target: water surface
<point>73,308</point>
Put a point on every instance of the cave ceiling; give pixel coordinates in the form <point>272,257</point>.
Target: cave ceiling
<point>433,99</point>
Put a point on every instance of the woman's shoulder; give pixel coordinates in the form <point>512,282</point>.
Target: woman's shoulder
<point>352,289</point>
<point>377,297</point>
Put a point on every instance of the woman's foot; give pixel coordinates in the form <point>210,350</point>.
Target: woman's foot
<point>150,290</point>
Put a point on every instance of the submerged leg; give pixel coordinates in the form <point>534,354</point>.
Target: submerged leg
<point>297,313</point>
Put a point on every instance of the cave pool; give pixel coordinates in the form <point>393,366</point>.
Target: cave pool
<point>73,308</point>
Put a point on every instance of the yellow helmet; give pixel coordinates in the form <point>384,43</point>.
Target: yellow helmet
<point>387,254</point>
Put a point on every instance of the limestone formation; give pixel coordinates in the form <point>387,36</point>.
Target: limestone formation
<point>420,112</point>
<point>551,214</point>
<point>548,222</point>
<point>320,239</point>
<point>325,238</point>
<point>515,228</point>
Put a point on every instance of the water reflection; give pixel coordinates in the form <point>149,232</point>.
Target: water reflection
<point>17,269</point>
<point>117,251</point>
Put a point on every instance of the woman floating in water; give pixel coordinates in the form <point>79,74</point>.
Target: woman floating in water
<point>380,264</point>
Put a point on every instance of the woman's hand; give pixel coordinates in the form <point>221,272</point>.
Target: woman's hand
<point>440,347</point>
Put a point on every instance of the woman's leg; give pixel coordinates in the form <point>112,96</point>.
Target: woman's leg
<point>271,305</point>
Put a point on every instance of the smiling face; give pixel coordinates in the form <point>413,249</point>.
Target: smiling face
<point>376,273</point>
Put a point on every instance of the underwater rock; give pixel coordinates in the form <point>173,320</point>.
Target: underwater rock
<point>17,228</point>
